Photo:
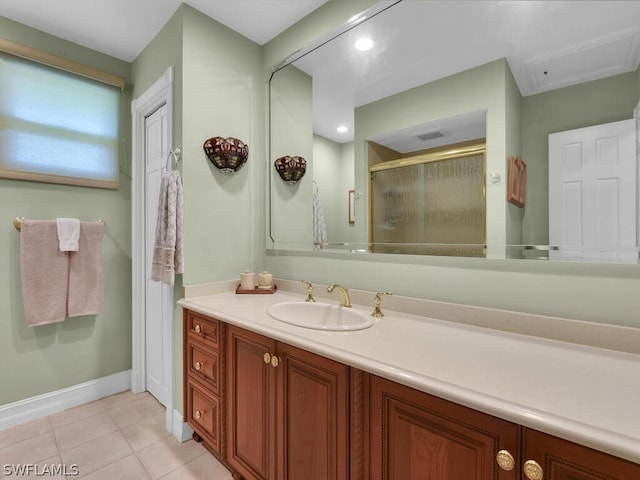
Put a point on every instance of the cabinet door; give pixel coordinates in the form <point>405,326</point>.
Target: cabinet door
<point>251,404</point>
<point>559,459</point>
<point>417,436</point>
<point>313,429</point>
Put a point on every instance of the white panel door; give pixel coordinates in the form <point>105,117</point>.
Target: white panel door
<point>592,194</point>
<point>156,151</point>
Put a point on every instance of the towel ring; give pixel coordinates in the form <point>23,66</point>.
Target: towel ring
<point>176,154</point>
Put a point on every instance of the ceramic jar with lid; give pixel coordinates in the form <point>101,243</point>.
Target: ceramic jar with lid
<point>265,280</point>
<point>247,280</point>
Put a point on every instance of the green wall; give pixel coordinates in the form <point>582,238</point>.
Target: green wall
<point>223,95</point>
<point>218,91</point>
<point>292,135</point>
<point>513,127</point>
<point>163,51</point>
<point>333,174</point>
<point>36,360</point>
<point>592,103</point>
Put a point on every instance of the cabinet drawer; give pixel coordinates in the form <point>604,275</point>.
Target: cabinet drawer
<point>204,364</point>
<point>203,328</point>
<point>203,412</point>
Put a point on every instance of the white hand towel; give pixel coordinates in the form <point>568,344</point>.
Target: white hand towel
<point>68,234</point>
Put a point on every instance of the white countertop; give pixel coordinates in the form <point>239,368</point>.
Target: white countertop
<point>587,395</point>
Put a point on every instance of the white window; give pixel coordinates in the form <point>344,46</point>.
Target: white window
<point>57,126</point>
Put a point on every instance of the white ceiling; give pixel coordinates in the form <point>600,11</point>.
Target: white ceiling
<point>122,28</point>
<point>548,45</point>
<point>572,41</point>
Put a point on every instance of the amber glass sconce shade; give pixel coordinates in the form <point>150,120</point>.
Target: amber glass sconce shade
<point>291,169</point>
<point>227,154</point>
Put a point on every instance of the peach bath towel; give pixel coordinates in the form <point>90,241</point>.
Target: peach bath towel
<point>44,273</point>
<point>86,280</point>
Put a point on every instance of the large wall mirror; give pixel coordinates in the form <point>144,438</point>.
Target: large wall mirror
<point>416,124</point>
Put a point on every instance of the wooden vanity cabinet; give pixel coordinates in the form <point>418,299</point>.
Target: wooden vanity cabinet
<point>415,436</point>
<point>559,459</point>
<point>204,379</point>
<point>288,410</point>
<point>271,411</point>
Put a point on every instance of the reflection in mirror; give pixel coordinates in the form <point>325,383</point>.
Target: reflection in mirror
<point>428,202</point>
<point>402,87</point>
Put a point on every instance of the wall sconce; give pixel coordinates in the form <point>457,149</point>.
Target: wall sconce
<point>291,169</point>
<point>227,154</point>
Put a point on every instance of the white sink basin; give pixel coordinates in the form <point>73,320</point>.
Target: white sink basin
<point>319,316</point>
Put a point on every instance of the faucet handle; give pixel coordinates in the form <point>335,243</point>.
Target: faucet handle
<point>309,291</point>
<point>377,313</point>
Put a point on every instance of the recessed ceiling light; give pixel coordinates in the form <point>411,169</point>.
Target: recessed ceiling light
<point>364,44</point>
<point>342,129</point>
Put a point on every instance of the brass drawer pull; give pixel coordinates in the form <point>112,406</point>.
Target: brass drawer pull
<point>197,329</point>
<point>532,470</point>
<point>198,366</point>
<point>275,361</point>
<point>198,414</point>
<point>267,358</point>
<point>505,460</point>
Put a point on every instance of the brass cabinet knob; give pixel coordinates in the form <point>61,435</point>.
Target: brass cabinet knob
<point>274,361</point>
<point>197,328</point>
<point>505,460</point>
<point>198,366</point>
<point>198,414</point>
<point>267,358</point>
<point>532,470</point>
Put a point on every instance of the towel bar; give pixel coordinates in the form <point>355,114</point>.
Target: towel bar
<point>17,223</point>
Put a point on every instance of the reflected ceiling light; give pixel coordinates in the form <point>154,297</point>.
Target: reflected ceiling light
<point>342,129</point>
<point>364,44</point>
<point>357,18</point>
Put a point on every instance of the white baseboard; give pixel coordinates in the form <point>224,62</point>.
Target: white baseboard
<point>181,430</point>
<point>53,402</point>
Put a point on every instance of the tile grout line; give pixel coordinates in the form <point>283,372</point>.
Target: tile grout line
<point>133,450</point>
<point>49,428</point>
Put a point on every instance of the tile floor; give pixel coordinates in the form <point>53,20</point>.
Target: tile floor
<point>118,437</point>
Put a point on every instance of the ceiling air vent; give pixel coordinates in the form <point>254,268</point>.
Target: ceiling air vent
<point>433,135</point>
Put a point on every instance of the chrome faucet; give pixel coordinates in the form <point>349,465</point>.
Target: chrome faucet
<point>344,294</point>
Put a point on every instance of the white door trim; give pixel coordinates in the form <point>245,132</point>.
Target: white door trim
<point>157,95</point>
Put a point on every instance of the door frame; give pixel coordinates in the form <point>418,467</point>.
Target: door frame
<point>636,116</point>
<point>157,95</point>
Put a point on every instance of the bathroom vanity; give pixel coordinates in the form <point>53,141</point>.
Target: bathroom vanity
<point>408,397</point>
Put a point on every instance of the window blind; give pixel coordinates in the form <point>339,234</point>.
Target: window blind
<point>57,126</point>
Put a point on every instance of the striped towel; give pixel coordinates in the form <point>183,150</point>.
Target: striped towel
<point>319,228</point>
